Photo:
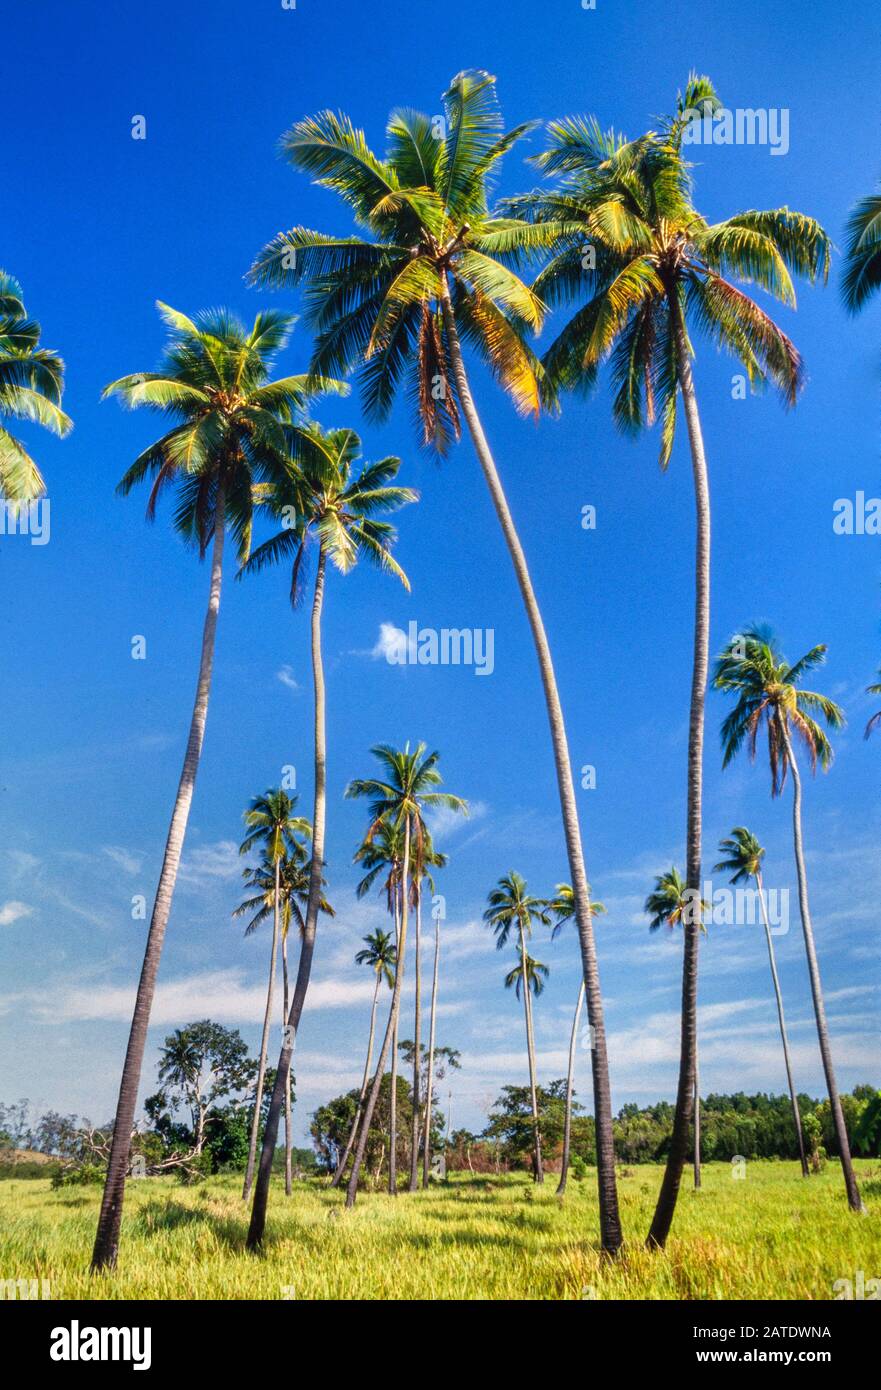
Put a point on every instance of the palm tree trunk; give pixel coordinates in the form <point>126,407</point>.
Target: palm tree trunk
<point>417,1060</point>
<point>391,1026</point>
<point>530,1048</point>
<point>340,1168</point>
<point>854,1199</point>
<point>264,1044</point>
<point>288,1140</point>
<point>610,1221</point>
<point>110,1219</point>
<point>796,1115</point>
<point>697,1126</point>
<point>567,1123</point>
<point>666,1204</point>
<point>393,1094</point>
<point>307,949</point>
<point>429,1082</point>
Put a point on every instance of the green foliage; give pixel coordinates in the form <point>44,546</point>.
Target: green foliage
<point>31,385</point>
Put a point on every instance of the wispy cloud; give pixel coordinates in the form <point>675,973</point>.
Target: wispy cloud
<point>286,676</point>
<point>210,863</point>
<point>13,912</point>
<point>128,862</point>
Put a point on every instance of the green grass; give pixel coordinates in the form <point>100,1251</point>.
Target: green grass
<point>772,1235</point>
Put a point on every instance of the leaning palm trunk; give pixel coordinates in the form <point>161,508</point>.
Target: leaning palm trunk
<point>570,1078</point>
<point>417,1061</point>
<point>697,1125</point>
<point>288,1138</point>
<point>393,1095</point>
<point>107,1237</point>
<point>391,1026</point>
<point>853,1193</point>
<point>805,1172</point>
<point>264,1044</point>
<point>610,1221</point>
<point>340,1168</point>
<point>666,1204</point>
<point>307,949</point>
<point>530,1048</point>
<point>426,1142</point>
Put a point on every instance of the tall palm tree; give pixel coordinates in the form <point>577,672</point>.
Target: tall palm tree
<point>562,909</point>
<point>511,909</point>
<point>401,802</point>
<point>379,954</point>
<point>875,721</point>
<point>672,903</point>
<point>422,855</point>
<point>743,857</point>
<point>31,386</point>
<point>396,305</point>
<point>294,877</point>
<point>323,497</point>
<point>271,825</point>
<point>230,418</point>
<point>862,264</point>
<point>768,694</point>
<point>659,270</point>
<point>437,860</point>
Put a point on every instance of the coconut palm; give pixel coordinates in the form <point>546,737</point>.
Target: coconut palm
<point>229,423</point>
<point>271,825</point>
<point>672,903</point>
<point>322,497</point>
<point>437,860</point>
<point>401,802</point>
<point>379,954</point>
<point>562,909</point>
<point>396,304</point>
<point>768,694</point>
<point>743,857</point>
<point>31,385</point>
<point>511,909</point>
<point>862,264</point>
<point>875,721</point>
<point>422,855</point>
<point>647,270</point>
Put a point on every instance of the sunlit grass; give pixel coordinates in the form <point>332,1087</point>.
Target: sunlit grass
<point>772,1235</point>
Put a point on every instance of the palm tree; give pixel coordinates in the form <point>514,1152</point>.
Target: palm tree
<point>874,689</point>
<point>379,954</point>
<point>510,908</point>
<point>862,266</point>
<point>658,270</point>
<point>400,802</point>
<point>437,860</point>
<point>768,694</point>
<point>31,385</point>
<point>321,496</point>
<point>272,825</point>
<point>396,305</point>
<point>562,908</point>
<point>229,423</point>
<point>672,903</point>
<point>743,860</point>
<point>422,855</point>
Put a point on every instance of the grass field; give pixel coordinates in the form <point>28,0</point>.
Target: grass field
<point>772,1235</point>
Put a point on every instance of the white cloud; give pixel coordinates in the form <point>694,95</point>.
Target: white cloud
<point>129,863</point>
<point>286,676</point>
<point>390,644</point>
<point>12,912</point>
<point>207,863</point>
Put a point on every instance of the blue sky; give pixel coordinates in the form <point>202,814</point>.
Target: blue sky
<point>97,226</point>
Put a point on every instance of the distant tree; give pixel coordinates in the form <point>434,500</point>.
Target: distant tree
<point>200,1065</point>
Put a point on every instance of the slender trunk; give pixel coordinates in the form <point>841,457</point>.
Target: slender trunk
<point>417,1060</point>
<point>567,1123</point>
<point>530,1048</point>
<point>853,1193</point>
<point>666,1204</point>
<point>697,1125</point>
<point>805,1172</point>
<point>340,1168</point>
<point>429,1081</point>
<point>106,1245</point>
<point>307,949</point>
<point>393,1094</point>
<point>391,1026</point>
<point>610,1222</point>
<point>264,1043</point>
<point>288,1141</point>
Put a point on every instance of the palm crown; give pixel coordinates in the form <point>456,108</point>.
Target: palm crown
<point>862,268</point>
<point>658,265</point>
<point>767,693</point>
<point>293,890</point>
<point>319,493</point>
<point>510,906</point>
<point>380,954</point>
<point>670,901</point>
<point>376,304</point>
<point>562,907</point>
<point>536,974</point>
<point>214,380</point>
<point>743,855</point>
<point>413,777</point>
<point>31,383</point>
<point>874,689</point>
<point>270,822</point>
